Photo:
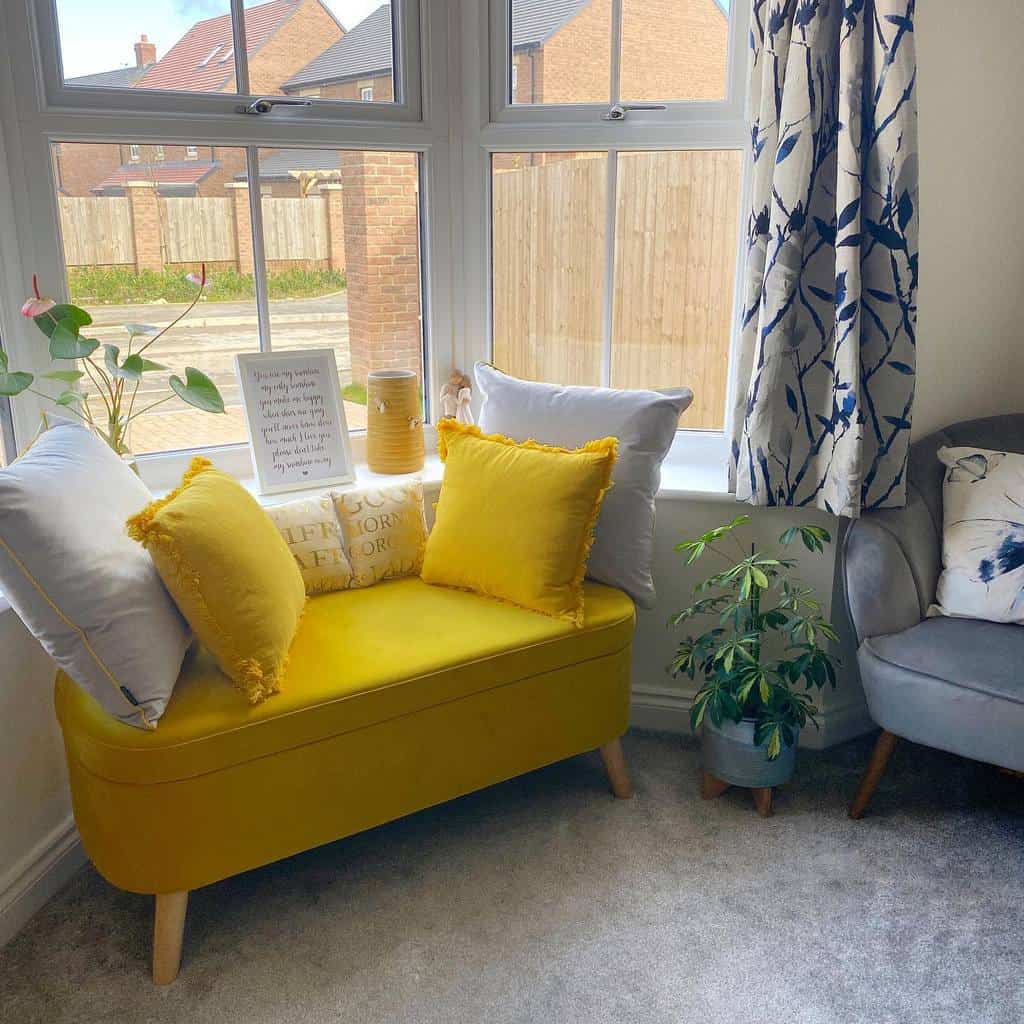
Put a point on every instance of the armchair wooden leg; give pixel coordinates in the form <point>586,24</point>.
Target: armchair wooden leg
<point>168,930</point>
<point>873,773</point>
<point>615,766</point>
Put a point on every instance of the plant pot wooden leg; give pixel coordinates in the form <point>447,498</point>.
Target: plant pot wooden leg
<point>710,787</point>
<point>873,773</point>
<point>763,801</point>
<point>615,766</point>
<point>168,930</point>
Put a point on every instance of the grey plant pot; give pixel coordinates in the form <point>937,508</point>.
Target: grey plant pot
<point>731,755</point>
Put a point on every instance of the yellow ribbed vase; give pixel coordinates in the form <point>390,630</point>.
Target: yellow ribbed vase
<point>394,422</point>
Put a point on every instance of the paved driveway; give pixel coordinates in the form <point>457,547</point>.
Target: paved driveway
<point>209,339</point>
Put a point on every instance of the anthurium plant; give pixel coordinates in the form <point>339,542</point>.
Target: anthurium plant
<point>769,637</point>
<point>116,375</point>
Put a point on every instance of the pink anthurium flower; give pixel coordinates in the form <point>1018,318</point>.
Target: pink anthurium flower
<point>35,305</point>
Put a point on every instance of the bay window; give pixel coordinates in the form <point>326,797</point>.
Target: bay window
<point>555,187</point>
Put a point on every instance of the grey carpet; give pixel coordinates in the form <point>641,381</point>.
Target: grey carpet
<point>544,900</point>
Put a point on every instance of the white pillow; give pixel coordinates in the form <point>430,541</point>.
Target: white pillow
<point>645,423</point>
<point>982,536</point>
<point>84,589</point>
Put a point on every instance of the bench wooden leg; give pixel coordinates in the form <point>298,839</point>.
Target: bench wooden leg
<point>873,773</point>
<point>168,930</point>
<point>615,766</point>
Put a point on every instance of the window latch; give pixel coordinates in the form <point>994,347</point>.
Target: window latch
<point>265,104</point>
<point>620,110</point>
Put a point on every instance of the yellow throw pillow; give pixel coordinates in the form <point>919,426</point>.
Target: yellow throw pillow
<point>310,528</point>
<point>385,531</point>
<point>230,573</point>
<point>516,520</point>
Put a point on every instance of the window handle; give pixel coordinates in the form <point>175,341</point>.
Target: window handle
<point>265,104</point>
<point>619,111</point>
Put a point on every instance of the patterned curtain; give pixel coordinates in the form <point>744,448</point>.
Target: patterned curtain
<point>826,356</point>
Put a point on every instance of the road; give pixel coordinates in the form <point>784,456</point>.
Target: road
<point>209,338</point>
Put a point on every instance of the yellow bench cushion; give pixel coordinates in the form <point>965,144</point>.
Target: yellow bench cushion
<point>360,657</point>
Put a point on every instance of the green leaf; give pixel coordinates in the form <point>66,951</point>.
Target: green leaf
<point>111,355</point>
<point>12,384</point>
<point>141,364</point>
<point>197,390</point>
<point>147,329</point>
<point>64,376</point>
<point>759,577</point>
<point>47,323</point>
<point>66,343</point>
<point>69,397</point>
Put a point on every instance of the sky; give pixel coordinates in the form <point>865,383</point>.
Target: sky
<point>99,35</point>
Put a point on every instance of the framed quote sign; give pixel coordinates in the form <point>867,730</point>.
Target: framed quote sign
<point>296,419</point>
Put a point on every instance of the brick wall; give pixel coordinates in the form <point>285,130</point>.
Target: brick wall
<point>671,49</point>
<point>305,35</point>
<point>382,85</point>
<point>380,201</point>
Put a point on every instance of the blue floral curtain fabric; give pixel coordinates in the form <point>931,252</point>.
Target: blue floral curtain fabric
<point>826,353</point>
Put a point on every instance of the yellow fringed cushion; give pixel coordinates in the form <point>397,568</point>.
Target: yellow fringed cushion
<point>229,571</point>
<point>515,520</point>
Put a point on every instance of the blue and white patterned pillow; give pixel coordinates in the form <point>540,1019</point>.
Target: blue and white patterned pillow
<point>982,536</point>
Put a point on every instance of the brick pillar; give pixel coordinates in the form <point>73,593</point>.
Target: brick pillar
<point>333,206</point>
<point>379,199</point>
<point>243,225</point>
<point>145,211</point>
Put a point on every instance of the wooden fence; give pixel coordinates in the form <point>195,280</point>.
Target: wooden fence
<point>197,228</point>
<point>295,229</point>
<point>97,230</point>
<point>675,249</point>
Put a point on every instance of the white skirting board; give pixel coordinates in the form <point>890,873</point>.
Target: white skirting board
<point>43,871</point>
<point>668,710</point>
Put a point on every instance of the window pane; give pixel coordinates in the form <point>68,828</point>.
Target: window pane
<point>131,233</point>
<point>341,50</point>
<point>675,255</point>
<point>341,234</point>
<point>561,52</point>
<point>674,49</point>
<point>548,264</point>
<point>162,44</point>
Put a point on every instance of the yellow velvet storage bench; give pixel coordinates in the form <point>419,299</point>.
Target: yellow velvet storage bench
<point>396,697</point>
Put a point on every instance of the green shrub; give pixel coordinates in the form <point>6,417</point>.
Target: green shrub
<point>122,286</point>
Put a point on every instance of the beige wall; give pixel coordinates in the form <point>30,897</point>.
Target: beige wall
<point>970,345</point>
<point>972,268</point>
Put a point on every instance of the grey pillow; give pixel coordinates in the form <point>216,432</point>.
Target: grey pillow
<point>84,589</point>
<point>645,423</point>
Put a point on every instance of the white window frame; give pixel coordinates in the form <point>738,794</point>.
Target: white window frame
<point>134,153</point>
<point>494,125</point>
<point>363,97</point>
<point>407,16</point>
<point>191,152</point>
<point>32,120</point>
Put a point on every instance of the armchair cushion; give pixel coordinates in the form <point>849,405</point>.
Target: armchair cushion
<point>955,684</point>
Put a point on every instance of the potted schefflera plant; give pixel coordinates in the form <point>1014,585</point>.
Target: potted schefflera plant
<point>765,650</point>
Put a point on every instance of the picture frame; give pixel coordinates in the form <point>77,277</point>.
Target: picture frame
<point>298,434</point>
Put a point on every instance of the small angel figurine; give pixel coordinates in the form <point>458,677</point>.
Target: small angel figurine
<point>456,398</point>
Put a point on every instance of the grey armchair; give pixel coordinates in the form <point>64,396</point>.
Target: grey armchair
<point>953,684</point>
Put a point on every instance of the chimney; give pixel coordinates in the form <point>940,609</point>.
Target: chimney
<point>145,52</point>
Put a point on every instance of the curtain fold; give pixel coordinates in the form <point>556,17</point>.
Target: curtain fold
<point>828,325</point>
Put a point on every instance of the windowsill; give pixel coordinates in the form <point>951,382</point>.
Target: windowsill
<point>693,471</point>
